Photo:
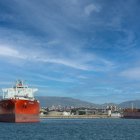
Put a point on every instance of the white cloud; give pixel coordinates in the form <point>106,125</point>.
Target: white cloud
<point>62,79</point>
<point>4,50</point>
<point>63,61</point>
<point>8,51</point>
<point>91,8</point>
<point>77,60</point>
<point>133,73</point>
<point>47,57</point>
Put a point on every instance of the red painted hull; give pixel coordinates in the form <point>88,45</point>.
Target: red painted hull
<point>131,114</point>
<point>18,110</point>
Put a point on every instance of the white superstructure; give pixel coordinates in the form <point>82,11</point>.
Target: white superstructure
<point>19,91</point>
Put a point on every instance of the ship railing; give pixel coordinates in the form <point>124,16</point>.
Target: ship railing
<point>24,96</point>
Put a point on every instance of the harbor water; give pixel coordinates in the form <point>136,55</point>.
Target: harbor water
<point>72,129</point>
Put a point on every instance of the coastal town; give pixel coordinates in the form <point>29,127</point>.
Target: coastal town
<point>80,112</point>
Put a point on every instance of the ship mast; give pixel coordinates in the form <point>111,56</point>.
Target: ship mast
<point>132,106</point>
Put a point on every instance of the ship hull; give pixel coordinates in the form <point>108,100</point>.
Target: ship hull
<point>131,114</point>
<point>18,110</point>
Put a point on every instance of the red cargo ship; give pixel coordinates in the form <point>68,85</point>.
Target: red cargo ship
<point>19,105</point>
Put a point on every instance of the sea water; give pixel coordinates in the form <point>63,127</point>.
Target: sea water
<point>72,129</point>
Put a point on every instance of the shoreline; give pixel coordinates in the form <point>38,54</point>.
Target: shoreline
<point>76,117</point>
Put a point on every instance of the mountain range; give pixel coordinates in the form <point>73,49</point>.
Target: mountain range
<point>67,101</point>
<point>48,101</point>
<point>64,101</point>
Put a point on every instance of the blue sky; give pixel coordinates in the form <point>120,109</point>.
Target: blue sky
<point>74,48</point>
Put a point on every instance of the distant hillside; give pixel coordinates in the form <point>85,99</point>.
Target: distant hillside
<point>47,101</point>
<point>67,101</point>
<point>63,101</point>
<point>128,104</point>
<point>108,104</point>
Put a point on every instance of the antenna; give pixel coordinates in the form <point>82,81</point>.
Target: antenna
<point>132,106</point>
